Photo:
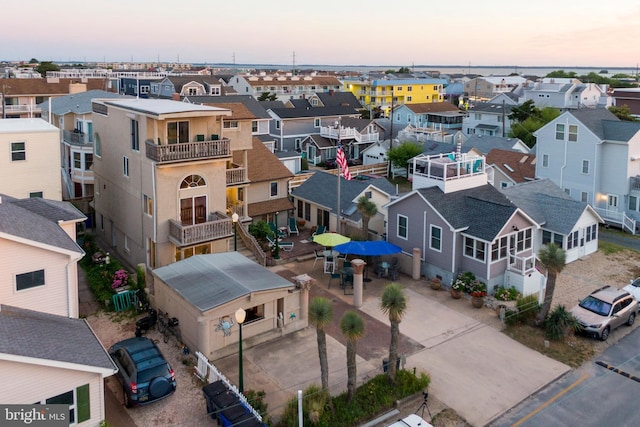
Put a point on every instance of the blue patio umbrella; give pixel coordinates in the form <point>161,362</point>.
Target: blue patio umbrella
<point>368,248</point>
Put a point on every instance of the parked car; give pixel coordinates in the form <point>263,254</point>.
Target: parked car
<point>604,310</point>
<point>145,374</point>
<point>634,288</point>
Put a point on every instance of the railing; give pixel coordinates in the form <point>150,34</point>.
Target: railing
<point>618,217</point>
<point>367,137</point>
<point>342,133</point>
<point>442,167</point>
<point>218,226</point>
<point>75,138</point>
<point>188,151</point>
<point>522,265</point>
<point>252,244</point>
<point>22,108</point>
<point>236,176</point>
<point>634,183</point>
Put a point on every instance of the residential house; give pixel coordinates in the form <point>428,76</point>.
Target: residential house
<point>386,92</point>
<point>484,88</point>
<point>488,119</point>
<point>30,159</point>
<point>269,189</point>
<point>482,144</point>
<point>138,85</point>
<point>428,118</point>
<point>284,86</point>
<point>629,97</point>
<point>316,201</point>
<point>595,158</point>
<point>290,126</point>
<point>334,98</point>
<point>39,255</point>
<point>565,93</point>
<point>177,87</point>
<point>204,291</point>
<point>570,224</point>
<point>166,181</point>
<point>506,168</point>
<point>73,116</point>
<point>53,359</point>
<point>21,97</point>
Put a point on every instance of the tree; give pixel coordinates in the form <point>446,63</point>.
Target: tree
<point>527,119</point>
<point>393,303</point>
<point>623,113</point>
<point>352,327</point>
<point>45,66</point>
<point>33,61</point>
<point>267,96</point>
<point>402,153</point>
<point>321,315</point>
<point>562,74</point>
<point>553,258</point>
<point>522,112</point>
<point>367,210</point>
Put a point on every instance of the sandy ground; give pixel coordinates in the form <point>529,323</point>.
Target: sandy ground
<point>187,406</point>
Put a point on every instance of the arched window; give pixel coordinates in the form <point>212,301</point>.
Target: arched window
<point>193,181</point>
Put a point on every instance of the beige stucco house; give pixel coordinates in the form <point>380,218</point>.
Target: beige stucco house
<point>50,359</point>
<point>203,292</point>
<point>30,159</point>
<point>39,255</point>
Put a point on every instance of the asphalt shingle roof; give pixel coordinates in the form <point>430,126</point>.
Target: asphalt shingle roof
<point>521,166</point>
<point>297,113</point>
<point>37,219</point>
<point>249,102</point>
<point>78,103</point>
<point>211,280</point>
<point>45,336</point>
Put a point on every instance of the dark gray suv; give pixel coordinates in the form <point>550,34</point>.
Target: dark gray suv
<point>143,371</point>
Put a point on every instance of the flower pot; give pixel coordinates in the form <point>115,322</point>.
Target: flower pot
<point>456,294</point>
<point>477,302</point>
<point>436,284</point>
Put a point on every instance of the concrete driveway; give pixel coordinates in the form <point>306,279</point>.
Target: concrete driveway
<point>475,369</point>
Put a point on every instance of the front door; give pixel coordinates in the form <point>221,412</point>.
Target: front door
<point>193,210</point>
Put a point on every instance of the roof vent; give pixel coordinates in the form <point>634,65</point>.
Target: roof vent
<point>507,167</point>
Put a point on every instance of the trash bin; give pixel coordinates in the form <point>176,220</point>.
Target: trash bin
<point>210,391</point>
<point>385,364</point>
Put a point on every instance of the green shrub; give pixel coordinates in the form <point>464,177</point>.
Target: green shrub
<point>506,294</point>
<point>260,230</point>
<point>560,323</point>
<point>304,164</point>
<point>527,309</point>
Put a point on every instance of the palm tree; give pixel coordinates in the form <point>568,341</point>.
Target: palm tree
<point>553,258</point>
<point>393,302</point>
<point>367,210</point>
<point>321,315</point>
<point>352,327</point>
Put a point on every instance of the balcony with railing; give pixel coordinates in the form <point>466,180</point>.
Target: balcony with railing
<point>188,151</point>
<point>450,172</point>
<point>634,184</point>
<point>75,138</point>
<point>217,226</point>
<point>236,176</point>
<point>348,133</point>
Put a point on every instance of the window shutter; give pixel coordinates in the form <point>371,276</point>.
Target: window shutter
<point>83,403</point>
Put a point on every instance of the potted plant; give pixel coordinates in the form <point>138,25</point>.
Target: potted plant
<point>478,292</point>
<point>457,288</point>
<point>436,283</point>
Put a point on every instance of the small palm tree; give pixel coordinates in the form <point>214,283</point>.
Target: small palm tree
<point>554,259</point>
<point>367,210</point>
<point>393,302</point>
<point>321,315</point>
<point>352,327</point>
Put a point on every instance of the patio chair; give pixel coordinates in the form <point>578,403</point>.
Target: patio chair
<point>321,229</point>
<point>333,276</point>
<point>292,227</point>
<point>318,254</point>
<point>285,246</point>
<point>276,231</point>
<point>329,264</point>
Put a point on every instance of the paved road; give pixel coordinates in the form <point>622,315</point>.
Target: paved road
<point>619,238</point>
<point>592,395</point>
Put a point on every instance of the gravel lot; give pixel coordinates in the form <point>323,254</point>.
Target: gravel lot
<point>187,406</point>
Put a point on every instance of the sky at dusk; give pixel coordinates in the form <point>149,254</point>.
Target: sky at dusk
<point>329,32</point>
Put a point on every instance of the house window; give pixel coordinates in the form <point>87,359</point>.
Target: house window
<point>573,133</point>
<point>559,132</point>
<point>474,248</point>
<point>504,184</point>
<point>316,123</point>
<point>135,136</point>
<point>97,145</point>
<point>307,211</point>
<point>591,232</point>
<point>409,99</point>
<point>633,203</point>
<point>126,243</point>
<point>584,197</point>
<point>612,201</point>
<point>568,191</point>
<point>78,401</point>
<point>300,211</point>
<point>147,205</point>
<point>435,242</point>
<point>572,241</point>
<point>274,189</point>
<point>77,161</point>
<point>403,227</point>
<point>585,166</point>
<point>18,151</point>
<point>499,249</point>
<point>29,280</point>
<point>35,194</point>
<point>298,142</point>
<point>545,160</point>
<point>277,124</point>
<point>314,102</point>
<point>125,165</point>
<point>192,91</point>
<point>254,126</point>
<point>215,90</point>
<point>144,89</point>
<point>523,240</point>
<point>477,116</point>
<point>231,124</point>
<point>192,181</point>
<point>409,88</point>
<point>88,161</point>
<point>177,132</point>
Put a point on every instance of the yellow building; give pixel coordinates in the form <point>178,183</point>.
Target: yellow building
<point>385,93</point>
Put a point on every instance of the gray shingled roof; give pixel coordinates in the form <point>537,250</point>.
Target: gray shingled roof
<point>487,107</point>
<point>485,143</point>
<point>481,211</point>
<point>37,219</point>
<point>45,336</point>
<point>297,113</point>
<point>620,130</point>
<point>78,103</point>
<point>208,281</point>
<point>248,101</point>
<point>593,119</point>
<point>330,99</point>
<point>547,204</point>
<point>322,189</point>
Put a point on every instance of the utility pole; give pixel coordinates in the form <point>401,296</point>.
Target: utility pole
<point>389,167</point>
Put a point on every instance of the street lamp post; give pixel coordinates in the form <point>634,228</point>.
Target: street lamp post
<point>234,218</point>
<point>240,316</point>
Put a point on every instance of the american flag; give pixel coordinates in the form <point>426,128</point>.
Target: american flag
<point>342,163</point>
